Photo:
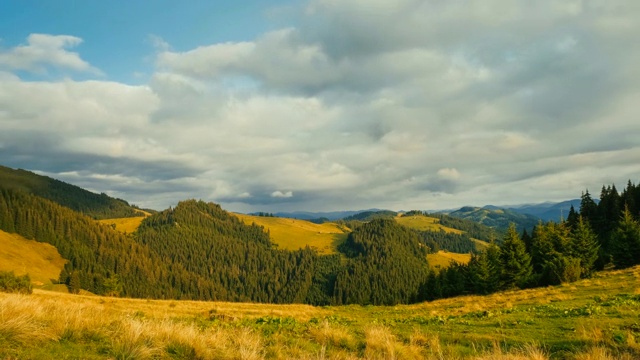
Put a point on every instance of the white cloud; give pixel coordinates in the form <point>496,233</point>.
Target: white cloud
<point>280,194</point>
<point>43,51</point>
<point>405,104</point>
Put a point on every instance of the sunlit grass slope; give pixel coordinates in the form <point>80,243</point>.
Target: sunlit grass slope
<point>22,256</point>
<point>443,259</point>
<point>293,234</point>
<point>125,225</point>
<point>424,223</point>
<point>593,319</point>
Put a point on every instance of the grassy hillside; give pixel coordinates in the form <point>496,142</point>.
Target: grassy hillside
<point>41,261</point>
<point>126,225</point>
<point>443,259</point>
<point>294,234</point>
<point>424,223</point>
<point>595,319</point>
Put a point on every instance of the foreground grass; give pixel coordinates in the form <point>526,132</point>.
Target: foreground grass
<point>588,320</point>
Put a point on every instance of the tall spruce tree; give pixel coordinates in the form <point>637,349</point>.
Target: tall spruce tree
<point>625,242</point>
<point>516,263</point>
<point>584,246</point>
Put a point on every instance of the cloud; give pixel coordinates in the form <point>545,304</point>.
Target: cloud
<point>280,194</point>
<point>43,51</point>
<point>405,105</point>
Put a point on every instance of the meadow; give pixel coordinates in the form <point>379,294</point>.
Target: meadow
<point>597,318</point>
<point>294,234</point>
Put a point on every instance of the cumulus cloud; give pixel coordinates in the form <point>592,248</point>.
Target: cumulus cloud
<point>43,51</point>
<point>404,104</point>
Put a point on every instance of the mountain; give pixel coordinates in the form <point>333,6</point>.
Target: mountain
<point>97,206</point>
<point>371,215</point>
<point>496,218</point>
<point>329,215</point>
<point>548,211</point>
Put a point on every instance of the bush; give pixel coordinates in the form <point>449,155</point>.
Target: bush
<point>9,282</point>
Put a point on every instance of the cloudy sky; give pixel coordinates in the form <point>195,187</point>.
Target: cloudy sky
<point>323,104</point>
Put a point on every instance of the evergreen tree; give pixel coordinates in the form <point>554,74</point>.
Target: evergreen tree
<point>588,208</point>
<point>516,263</point>
<point>625,242</point>
<point>584,246</point>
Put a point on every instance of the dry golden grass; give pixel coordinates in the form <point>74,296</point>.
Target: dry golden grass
<point>513,325</point>
<point>22,256</point>
<point>443,259</point>
<point>294,234</point>
<point>124,225</point>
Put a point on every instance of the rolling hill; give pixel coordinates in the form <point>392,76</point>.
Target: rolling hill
<point>97,206</point>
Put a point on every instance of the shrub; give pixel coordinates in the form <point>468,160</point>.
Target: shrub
<point>9,282</point>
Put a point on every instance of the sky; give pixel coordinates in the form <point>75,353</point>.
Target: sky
<point>323,105</point>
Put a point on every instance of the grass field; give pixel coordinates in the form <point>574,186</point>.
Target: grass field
<point>124,225</point>
<point>424,223</point>
<point>41,261</point>
<point>442,259</point>
<point>294,234</point>
<point>593,319</point>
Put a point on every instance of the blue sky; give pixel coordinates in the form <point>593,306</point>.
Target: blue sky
<point>323,104</point>
<point>118,36</point>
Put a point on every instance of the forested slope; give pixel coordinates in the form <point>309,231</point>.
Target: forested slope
<point>97,206</point>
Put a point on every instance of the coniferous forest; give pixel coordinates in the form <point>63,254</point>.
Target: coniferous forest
<point>197,250</point>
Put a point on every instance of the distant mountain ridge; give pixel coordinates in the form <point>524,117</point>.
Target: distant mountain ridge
<point>497,218</point>
<point>329,215</point>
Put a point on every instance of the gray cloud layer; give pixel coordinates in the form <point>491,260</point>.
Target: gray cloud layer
<point>404,104</point>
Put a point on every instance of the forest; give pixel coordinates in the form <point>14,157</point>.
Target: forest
<point>199,251</point>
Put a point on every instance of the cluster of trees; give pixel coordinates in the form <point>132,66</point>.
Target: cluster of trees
<point>601,234</point>
<point>614,219</point>
<point>385,263</point>
<point>442,240</point>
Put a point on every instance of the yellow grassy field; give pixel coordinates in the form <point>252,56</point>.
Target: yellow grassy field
<point>294,234</point>
<point>125,225</point>
<point>594,319</point>
<point>443,259</point>
<point>424,223</point>
<point>41,261</point>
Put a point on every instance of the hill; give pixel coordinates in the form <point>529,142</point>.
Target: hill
<point>41,261</point>
<point>371,215</point>
<point>496,218</point>
<point>294,234</point>
<point>97,206</point>
<point>549,211</point>
<point>590,319</point>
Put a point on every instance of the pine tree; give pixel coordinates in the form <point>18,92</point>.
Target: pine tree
<point>516,263</point>
<point>625,242</point>
<point>584,246</point>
